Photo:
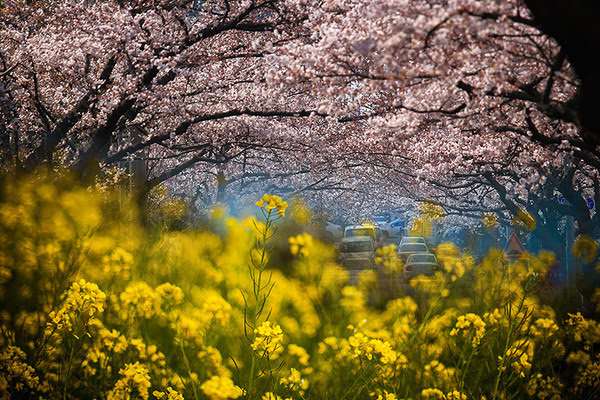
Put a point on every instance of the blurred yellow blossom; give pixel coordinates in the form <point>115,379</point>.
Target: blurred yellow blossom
<point>471,325</point>
<point>221,388</point>
<point>585,249</point>
<point>387,396</point>
<point>170,394</point>
<point>456,395</point>
<point>295,381</point>
<point>15,373</point>
<point>432,394</point>
<point>301,244</point>
<point>170,293</point>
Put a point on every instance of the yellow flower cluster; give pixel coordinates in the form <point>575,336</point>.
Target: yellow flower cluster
<point>472,326</point>
<point>590,378</point>
<point>272,202</point>
<point>545,388</point>
<point>301,244</point>
<point>268,338</point>
<point>363,346</point>
<point>81,304</point>
<point>437,372</point>
<point>170,393</point>
<point>135,382</point>
<point>544,327</point>
<point>432,394</point>
<point>273,396</point>
<point>387,256</point>
<point>583,330</point>
<point>295,382</point>
<point>170,294</point>
<point>387,396</point>
<point>15,373</point>
<point>521,363</point>
<point>212,360</point>
<point>302,356</point>
<point>118,263</point>
<point>216,310</point>
<point>221,388</point>
<point>492,318</point>
<point>140,300</point>
<point>585,249</point>
<point>456,395</point>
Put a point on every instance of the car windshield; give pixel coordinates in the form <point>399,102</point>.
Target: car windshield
<point>413,247</point>
<point>360,232</point>
<point>418,258</point>
<point>355,247</point>
<point>413,239</point>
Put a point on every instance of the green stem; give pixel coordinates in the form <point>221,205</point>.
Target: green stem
<point>462,379</point>
<point>71,351</point>
<point>507,345</point>
<point>257,288</point>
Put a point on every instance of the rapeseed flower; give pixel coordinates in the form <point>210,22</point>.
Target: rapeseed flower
<point>169,392</point>
<point>432,394</point>
<point>268,338</point>
<point>135,381</point>
<point>471,325</point>
<point>272,202</point>
<point>301,244</point>
<point>221,388</point>
<point>387,396</point>
<point>295,382</point>
<point>456,395</point>
<point>170,293</point>
<point>81,303</point>
<point>15,373</point>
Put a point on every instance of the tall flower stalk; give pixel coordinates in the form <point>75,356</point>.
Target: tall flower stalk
<point>272,208</point>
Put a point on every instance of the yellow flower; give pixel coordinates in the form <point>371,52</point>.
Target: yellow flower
<point>295,381</point>
<point>15,372</point>
<point>470,324</point>
<point>432,394</point>
<point>456,395</point>
<point>585,249</point>
<point>272,202</point>
<point>170,293</point>
<point>170,393</point>
<point>136,379</point>
<point>221,388</point>
<point>387,396</point>
<point>267,338</point>
<point>272,396</point>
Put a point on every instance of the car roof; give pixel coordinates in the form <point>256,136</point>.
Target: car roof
<point>404,245</point>
<point>421,253</point>
<point>357,239</point>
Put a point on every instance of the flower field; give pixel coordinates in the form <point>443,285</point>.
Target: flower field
<point>94,305</point>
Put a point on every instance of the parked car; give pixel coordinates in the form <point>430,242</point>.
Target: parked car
<point>361,230</point>
<point>357,252</point>
<point>379,236</point>
<point>333,231</point>
<point>380,220</point>
<point>396,228</point>
<point>420,263</point>
<point>407,249</point>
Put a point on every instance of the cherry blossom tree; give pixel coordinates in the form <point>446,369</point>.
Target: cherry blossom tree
<point>471,104</point>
